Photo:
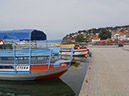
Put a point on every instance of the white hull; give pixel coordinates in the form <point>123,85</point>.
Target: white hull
<point>75,53</point>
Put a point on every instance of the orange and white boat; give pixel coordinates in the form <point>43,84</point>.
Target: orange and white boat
<point>29,63</point>
<point>78,51</point>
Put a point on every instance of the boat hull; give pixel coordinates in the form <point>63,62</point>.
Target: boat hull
<point>77,52</point>
<point>35,75</point>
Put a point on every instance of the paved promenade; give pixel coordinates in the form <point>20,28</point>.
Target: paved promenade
<point>108,73</point>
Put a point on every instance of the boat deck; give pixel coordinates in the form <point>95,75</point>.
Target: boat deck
<point>24,52</point>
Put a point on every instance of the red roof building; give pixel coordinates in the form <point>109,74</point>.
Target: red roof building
<point>94,39</point>
<point>118,36</point>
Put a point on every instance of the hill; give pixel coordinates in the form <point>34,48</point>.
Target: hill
<point>94,32</point>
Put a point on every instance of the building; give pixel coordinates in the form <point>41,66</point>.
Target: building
<point>119,36</point>
<point>95,39</point>
<point>73,41</point>
<point>127,38</point>
<point>90,38</point>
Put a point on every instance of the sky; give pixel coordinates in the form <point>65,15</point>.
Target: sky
<point>58,18</point>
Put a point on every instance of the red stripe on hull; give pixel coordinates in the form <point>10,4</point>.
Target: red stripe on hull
<point>74,50</point>
<point>45,67</point>
<point>51,75</point>
<point>80,55</point>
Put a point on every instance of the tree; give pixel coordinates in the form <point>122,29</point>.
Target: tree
<point>79,38</point>
<point>104,34</point>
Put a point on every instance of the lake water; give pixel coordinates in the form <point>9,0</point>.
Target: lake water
<point>49,42</point>
<point>68,84</point>
<point>75,76</point>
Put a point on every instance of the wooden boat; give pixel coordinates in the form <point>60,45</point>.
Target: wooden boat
<point>78,51</point>
<point>29,63</point>
<point>76,59</point>
<point>67,45</point>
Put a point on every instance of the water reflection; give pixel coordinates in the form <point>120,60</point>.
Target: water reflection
<point>75,76</point>
<point>76,65</point>
<point>81,60</point>
<point>78,60</point>
<point>47,87</point>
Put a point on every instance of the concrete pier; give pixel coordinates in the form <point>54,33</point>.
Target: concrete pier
<point>108,73</point>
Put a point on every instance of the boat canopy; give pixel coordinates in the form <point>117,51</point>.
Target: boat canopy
<point>25,34</point>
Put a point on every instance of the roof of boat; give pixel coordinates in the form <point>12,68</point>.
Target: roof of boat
<point>25,34</point>
<point>67,45</point>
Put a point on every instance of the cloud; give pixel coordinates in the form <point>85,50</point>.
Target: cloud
<point>60,17</point>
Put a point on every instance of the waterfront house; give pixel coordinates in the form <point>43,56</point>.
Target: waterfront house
<point>73,41</point>
<point>95,39</point>
<point>119,36</point>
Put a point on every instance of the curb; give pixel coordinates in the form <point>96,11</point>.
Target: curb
<point>88,80</point>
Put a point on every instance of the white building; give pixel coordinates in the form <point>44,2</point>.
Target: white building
<point>119,36</point>
<point>95,39</point>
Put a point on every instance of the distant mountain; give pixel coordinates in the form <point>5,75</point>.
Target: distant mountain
<point>94,32</point>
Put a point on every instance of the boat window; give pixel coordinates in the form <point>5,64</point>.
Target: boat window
<point>6,67</point>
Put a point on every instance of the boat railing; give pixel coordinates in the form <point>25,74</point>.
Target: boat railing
<point>21,59</point>
<point>61,60</point>
<point>17,58</point>
<point>72,51</point>
<point>13,58</point>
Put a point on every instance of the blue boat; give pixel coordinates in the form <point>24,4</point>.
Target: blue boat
<point>17,63</point>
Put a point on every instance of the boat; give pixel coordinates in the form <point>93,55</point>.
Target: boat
<point>29,63</point>
<point>78,59</point>
<point>78,51</point>
<point>67,45</point>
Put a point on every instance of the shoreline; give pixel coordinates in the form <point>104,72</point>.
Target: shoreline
<point>86,86</point>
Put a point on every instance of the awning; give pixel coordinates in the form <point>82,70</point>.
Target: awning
<point>26,34</point>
